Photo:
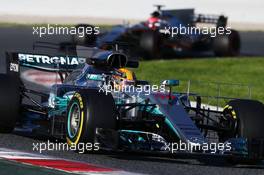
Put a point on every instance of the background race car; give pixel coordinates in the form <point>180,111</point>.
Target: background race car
<point>169,33</point>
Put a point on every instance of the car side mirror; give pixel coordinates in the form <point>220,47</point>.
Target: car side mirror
<point>171,83</point>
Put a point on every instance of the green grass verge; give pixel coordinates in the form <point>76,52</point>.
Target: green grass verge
<point>245,71</point>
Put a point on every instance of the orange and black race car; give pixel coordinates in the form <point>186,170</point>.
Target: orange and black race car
<point>170,33</point>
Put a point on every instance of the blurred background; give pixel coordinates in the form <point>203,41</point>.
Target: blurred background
<point>243,15</point>
<point>240,12</point>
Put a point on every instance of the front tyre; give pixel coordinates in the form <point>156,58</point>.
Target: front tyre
<point>249,118</point>
<point>88,110</point>
<point>150,44</point>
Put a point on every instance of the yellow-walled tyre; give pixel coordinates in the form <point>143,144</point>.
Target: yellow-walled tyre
<point>249,117</point>
<point>88,110</point>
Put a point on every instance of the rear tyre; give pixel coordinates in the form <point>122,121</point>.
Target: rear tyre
<point>9,102</point>
<point>227,45</point>
<point>88,110</point>
<point>249,116</point>
<point>82,38</point>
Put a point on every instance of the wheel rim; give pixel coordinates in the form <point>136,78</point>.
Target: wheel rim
<point>74,120</point>
<point>231,121</point>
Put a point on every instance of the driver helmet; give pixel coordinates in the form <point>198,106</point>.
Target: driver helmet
<point>126,78</point>
<point>155,14</point>
<point>154,20</point>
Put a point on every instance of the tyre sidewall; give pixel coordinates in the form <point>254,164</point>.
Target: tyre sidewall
<point>85,126</point>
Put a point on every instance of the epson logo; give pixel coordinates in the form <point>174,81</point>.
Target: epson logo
<point>43,59</point>
<point>14,67</point>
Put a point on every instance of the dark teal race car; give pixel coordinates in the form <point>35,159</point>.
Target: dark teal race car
<point>99,101</point>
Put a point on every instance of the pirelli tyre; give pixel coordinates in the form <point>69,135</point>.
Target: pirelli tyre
<point>85,35</point>
<point>248,119</point>
<point>227,44</point>
<point>150,43</point>
<point>88,110</point>
<point>9,102</point>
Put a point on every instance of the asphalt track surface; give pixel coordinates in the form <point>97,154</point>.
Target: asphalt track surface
<point>21,39</point>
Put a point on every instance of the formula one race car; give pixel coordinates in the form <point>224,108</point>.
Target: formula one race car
<point>101,101</point>
<point>169,33</point>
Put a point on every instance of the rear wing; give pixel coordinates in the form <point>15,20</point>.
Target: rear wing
<point>188,17</point>
<point>62,63</point>
<point>67,63</point>
<point>59,63</point>
<point>219,21</point>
